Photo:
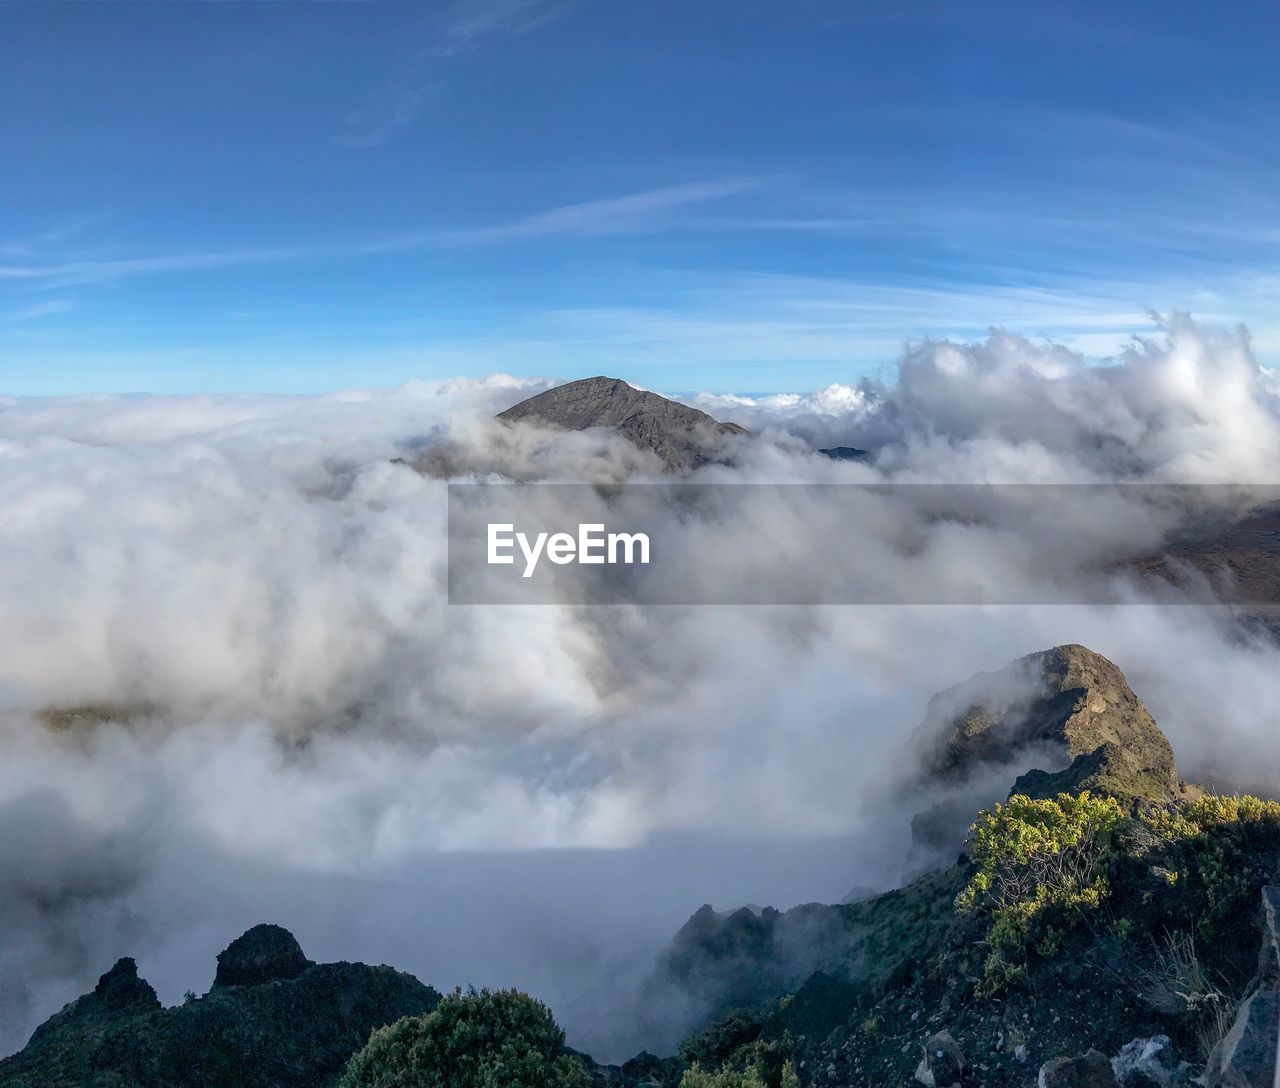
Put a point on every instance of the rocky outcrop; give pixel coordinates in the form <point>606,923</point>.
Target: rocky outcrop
<point>1269,956</point>
<point>121,988</point>
<point>821,1005</point>
<point>265,953</point>
<point>1067,701</point>
<point>1247,1055</point>
<point>744,958</point>
<point>830,954</point>
<point>1067,709</point>
<point>682,437</point>
<point>274,1019</point>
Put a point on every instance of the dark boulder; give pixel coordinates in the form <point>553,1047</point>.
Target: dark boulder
<point>943,1064</point>
<point>1247,1055</point>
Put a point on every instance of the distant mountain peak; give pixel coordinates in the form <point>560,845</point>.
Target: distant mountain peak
<point>683,437</point>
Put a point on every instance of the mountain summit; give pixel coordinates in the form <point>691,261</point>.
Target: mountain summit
<point>681,436</point>
<point>1068,702</point>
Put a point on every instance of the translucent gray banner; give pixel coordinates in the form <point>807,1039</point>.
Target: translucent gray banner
<point>917,544</point>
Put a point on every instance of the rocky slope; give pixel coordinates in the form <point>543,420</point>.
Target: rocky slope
<point>1132,963</point>
<point>273,1019</point>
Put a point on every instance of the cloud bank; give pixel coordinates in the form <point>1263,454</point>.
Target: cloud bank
<point>282,720</point>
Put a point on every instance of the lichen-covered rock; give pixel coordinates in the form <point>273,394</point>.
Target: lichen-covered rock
<point>264,953</point>
<point>1090,1070</point>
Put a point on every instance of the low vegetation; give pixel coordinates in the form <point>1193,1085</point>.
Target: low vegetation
<point>754,1077</point>
<point>477,1039</point>
<point>1048,872</point>
<point>1041,866</point>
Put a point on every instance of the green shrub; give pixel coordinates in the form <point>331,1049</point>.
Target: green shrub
<point>695,1077</point>
<point>503,1039</point>
<point>1040,865</point>
<point>713,1046</point>
<point>1218,851</point>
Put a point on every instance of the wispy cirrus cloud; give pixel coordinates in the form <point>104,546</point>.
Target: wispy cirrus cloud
<point>74,273</point>
<point>394,106</point>
<point>41,309</point>
<point>467,23</point>
<point>649,209</point>
<point>387,111</point>
<point>612,215</point>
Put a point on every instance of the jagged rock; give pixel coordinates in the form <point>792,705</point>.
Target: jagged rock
<point>1246,1057</point>
<point>744,959</point>
<point>121,988</point>
<point>262,954</point>
<point>943,1063</point>
<point>1090,1070</point>
<point>681,436</point>
<point>1068,700</point>
<point>1066,706</point>
<point>1145,1062</point>
<point>295,1032</point>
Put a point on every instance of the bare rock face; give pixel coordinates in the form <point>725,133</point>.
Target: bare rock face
<point>1067,701</point>
<point>682,437</point>
<point>1068,709</point>
<point>1269,956</point>
<point>264,953</point>
<point>1246,1057</point>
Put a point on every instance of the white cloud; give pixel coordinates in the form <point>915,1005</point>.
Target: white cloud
<point>388,110</point>
<point>333,747</point>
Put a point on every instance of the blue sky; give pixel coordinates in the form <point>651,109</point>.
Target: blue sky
<point>743,196</point>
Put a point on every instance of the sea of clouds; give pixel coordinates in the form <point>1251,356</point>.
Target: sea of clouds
<point>306,732</point>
